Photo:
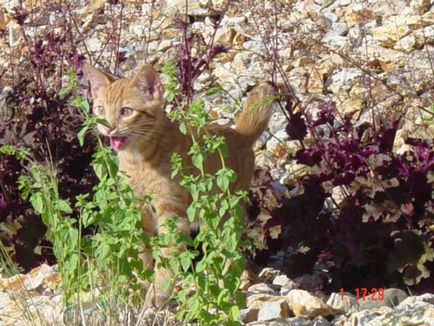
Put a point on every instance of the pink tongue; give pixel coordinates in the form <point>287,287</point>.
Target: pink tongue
<point>117,142</point>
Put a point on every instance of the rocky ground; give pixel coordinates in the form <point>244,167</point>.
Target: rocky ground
<point>33,299</point>
<point>358,53</point>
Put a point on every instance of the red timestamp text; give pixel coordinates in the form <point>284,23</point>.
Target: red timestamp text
<point>372,294</point>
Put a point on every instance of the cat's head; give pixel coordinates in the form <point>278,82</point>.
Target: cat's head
<point>132,107</point>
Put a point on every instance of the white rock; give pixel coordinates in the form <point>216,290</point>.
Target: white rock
<point>320,321</point>
<point>302,303</point>
<point>406,303</point>
<point>260,288</point>
<point>278,139</point>
<point>343,80</point>
<point>282,280</point>
<point>249,315</point>
<point>274,310</point>
<point>93,44</point>
<point>267,274</point>
<point>407,43</point>
<point>336,41</point>
<point>194,7</point>
<point>346,304</point>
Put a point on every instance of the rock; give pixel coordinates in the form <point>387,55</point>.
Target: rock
<point>268,274</point>
<point>412,21</point>
<point>94,44</point>
<point>392,297</point>
<point>343,80</point>
<point>254,45</point>
<point>276,322</point>
<point>274,310</point>
<point>336,41</point>
<point>320,321</point>
<point>356,15</point>
<point>225,36</point>
<point>261,288</point>
<point>302,303</point>
<point>309,282</point>
<point>5,300</point>
<point>409,301</point>
<point>257,301</point>
<point>219,5</point>
<point>407,43</point>
<point>40,276</point>
<point>93,6</point>
<point>194,8</point>
<point>10,4</point>
<point>352,104</point>
<point>338,196</point>
<point>293,172</point>
<point>363,318</point>
<point>14,34</point>
<point>420,60</point>
<point>6,112</point>
<point>315,82</point>
<point>420,6</point>
<point>277,142</point>
<point>284,281</point>
<point>298,321</point>
<point>249,64</point>
<point>344,304</point>
<point>248,315</point>
<point>388,35</point>
<point>302,61</point>
<point>297,78</point>
<point>416,315</point>
<point>159,317</point>
<point>247,280</point>
<point>12,283</point>
<point>416,40</point>
<point>2,22</point>
<point>388,59</point>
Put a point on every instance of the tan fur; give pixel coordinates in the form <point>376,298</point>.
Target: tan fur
<point>145,159</point>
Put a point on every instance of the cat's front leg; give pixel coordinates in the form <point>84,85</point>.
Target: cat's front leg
<point>162,288</point>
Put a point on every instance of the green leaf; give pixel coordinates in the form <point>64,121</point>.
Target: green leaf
<point>81,134</point>
<point>183,128</point>
<point>87,218</point>
<point>197,160</point>
<point>201,266</point>
<point>185,259</point>
<point>234,312</point>
<point>64,206</point>
<point>223,182</point>
<point>37,202</point>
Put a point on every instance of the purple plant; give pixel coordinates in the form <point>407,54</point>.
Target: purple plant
<point>386,205</point>
<point>44,123</point>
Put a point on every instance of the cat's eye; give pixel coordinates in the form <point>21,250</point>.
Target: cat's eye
<point>126,112</point>
<point>99,110</point>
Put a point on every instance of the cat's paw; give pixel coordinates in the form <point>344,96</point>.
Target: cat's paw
<point>155,298</point>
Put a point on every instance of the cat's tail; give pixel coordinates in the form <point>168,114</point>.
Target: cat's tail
<point>253,120</point>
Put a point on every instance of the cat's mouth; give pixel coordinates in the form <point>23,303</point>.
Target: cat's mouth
<point>117,142</point>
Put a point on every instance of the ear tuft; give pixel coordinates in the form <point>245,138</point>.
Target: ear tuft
<point>147,80</point>
<point>97,78</point>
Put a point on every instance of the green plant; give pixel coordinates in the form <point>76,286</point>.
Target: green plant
<point>215,276</point>
<point>98,252</point>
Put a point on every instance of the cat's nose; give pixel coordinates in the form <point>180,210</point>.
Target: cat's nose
<point>104,130</point>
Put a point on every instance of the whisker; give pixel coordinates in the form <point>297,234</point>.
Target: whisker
<point>129,129</point>
<point>147,137</point>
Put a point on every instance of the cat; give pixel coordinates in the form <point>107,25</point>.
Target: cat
<point>145,139</point>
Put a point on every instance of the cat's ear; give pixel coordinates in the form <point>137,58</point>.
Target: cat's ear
<point>97,78</point>
<point>147,80</point>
